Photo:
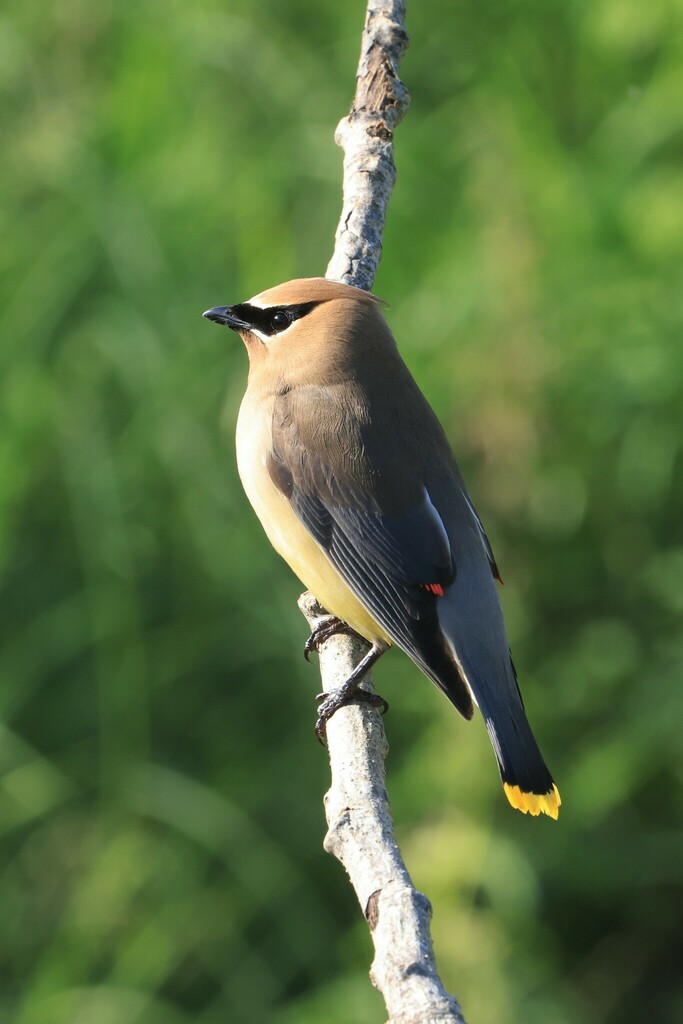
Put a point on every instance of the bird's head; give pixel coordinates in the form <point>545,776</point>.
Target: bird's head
<point>304,322</point>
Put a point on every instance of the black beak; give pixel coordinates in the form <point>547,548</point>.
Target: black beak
<point>225,315</point>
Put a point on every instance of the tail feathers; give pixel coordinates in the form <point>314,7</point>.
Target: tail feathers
<point>527,783</point>
<point>534,803</point>
<point>472,627</point>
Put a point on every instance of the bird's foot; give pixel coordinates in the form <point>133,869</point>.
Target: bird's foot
<point>323,631</point>
<point>331,702</point>
<point>350,691</point>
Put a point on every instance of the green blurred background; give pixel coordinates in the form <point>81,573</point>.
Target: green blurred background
<point>160,800</point>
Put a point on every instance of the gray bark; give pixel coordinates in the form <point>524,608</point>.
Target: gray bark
<point>367,137</point>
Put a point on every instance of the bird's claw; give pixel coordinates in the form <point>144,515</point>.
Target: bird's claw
<point>322,632</point>
<point>329,703</point>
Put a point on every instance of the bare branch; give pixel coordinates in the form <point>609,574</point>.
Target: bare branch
<point>361,830</point>
<point>366,136</point>
<point>361,836</point>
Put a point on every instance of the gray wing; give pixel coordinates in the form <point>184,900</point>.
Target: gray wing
<point>358,488</point>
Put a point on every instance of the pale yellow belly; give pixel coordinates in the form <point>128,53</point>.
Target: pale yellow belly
<point>287,535</point>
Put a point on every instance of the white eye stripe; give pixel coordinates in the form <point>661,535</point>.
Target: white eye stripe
<point>266,338</point>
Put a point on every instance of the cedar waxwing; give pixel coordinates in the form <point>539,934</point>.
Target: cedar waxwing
<point>355,484</point>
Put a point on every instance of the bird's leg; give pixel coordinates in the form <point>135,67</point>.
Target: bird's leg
<point>349,691</point>
<point>326,628</point>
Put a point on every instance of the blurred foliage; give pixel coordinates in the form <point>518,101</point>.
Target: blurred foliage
<point>160,800</point>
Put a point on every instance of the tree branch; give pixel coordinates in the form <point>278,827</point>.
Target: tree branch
<point>361,836</point>
<point>361,830</point>
<point>366,136</point>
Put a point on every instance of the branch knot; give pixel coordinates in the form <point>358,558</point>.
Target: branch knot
<point>380,131</point>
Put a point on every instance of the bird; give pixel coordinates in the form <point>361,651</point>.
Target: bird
<point>356,486</point>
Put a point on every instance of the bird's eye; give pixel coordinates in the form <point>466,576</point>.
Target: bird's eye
<point>280,320</point>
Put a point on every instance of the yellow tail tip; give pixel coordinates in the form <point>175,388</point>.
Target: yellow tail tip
<point>534,803</point>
